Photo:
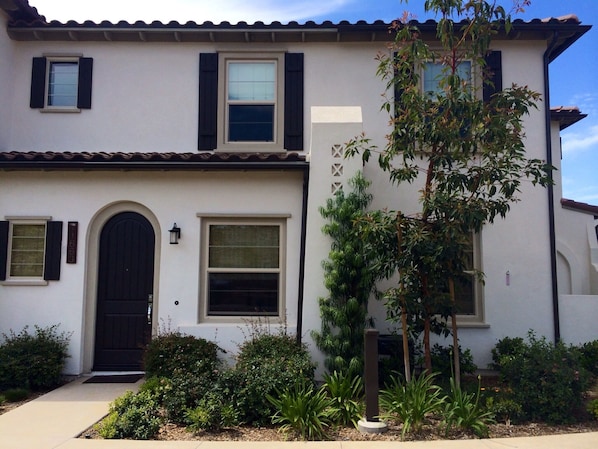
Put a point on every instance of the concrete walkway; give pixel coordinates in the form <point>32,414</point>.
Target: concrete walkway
<point>54,421</point>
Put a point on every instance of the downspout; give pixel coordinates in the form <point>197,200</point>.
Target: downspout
<point>551,220</point>
<point>301,288</point>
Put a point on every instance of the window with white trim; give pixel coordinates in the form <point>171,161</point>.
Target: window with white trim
<point>30,249</point>
<point>27,249</point>
<point>243,267</point>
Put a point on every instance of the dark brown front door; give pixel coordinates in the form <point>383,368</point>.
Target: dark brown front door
<point>125,290</point>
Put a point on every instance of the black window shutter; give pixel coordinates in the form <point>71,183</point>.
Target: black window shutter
<point>208,101</point>
<point>293,101</point>
<point>84,89</point>
<point>38,83</point>
<point>3,248</point>
<point>53,250</point>
<point>493,83</point>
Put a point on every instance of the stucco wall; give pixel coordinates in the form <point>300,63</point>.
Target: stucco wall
<point>166,197</point>
<point>145,98</point>
<point>6,81</point>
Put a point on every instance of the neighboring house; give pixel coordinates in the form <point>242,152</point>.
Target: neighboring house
<point>117,138</point>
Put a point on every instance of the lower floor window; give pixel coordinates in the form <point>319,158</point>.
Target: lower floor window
<point>468,289</point>
<point>27,250</point>
<point>30,249</point>
<point>243,267</point>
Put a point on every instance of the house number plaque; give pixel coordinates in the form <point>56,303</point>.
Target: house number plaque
<point>71,245</point>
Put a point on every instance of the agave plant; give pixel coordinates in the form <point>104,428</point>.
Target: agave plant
<point>411,402</point>
<point>346,396</point>
<point>302,409</point>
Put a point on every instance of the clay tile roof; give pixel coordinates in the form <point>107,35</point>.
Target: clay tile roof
<point>20,10</point>
<point>566,115</point>
<point>580,207</point>
<point>151,161</point>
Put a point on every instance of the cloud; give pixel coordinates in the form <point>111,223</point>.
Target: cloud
<point>587,103</point>
<point>578,141</point>
<point>187,10</point>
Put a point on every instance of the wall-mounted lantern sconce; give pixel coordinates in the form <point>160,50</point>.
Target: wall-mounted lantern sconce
<point>175,234</point>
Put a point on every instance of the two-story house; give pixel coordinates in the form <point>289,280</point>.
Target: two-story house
<point>168,177</point>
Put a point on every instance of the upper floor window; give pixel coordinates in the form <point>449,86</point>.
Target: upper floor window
<point>61,83</point>
<point>251,101</point>
<point>30,249</point>
<point>433,72</point>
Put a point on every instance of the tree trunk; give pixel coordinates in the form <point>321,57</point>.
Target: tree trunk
<point>456,357</point>
<point>406,356</point>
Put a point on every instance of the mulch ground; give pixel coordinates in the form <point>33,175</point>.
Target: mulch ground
<point>430,432</point>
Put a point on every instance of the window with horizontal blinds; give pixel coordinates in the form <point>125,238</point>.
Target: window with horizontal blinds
<point>30,249</point>
<point>27,250</point>
<point>61,83</point>
<point>243,270</point>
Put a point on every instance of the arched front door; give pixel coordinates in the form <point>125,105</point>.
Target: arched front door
<point>125,292</point>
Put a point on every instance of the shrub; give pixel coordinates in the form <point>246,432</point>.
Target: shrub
<point>346,398</point>
<point>33,361</point>
<point>173,351</point>
<point>506,349</point>
<point>16,394</point>
<point>546,379</point>
<point>302,409</point>
<point>464,410</point>
<point>184,391</point>
<point>212,413</point>
<point>2,399</point>
<point>592,408</point>
<point>411,402</point>
<point>266,363</point>
<point>442,361</point>
<point>134,416</point>
<point>156,387</point>
<point>589,357</point>
<point>504,409</point>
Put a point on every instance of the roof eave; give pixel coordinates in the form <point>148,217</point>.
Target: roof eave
<point>569,29</point>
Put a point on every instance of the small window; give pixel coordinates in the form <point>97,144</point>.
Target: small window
<point>27,250</point>
<point>433,72</point>
<point>30,250</point>
<point>61,84</point>
<point>243,268</point>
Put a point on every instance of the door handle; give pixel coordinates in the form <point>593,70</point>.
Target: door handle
<point>150,305</point>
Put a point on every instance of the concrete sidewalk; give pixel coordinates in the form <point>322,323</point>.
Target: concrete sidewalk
<point>54,421</point>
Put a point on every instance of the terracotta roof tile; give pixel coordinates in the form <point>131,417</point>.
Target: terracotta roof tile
<point>566,115</point>
<point>581,207</point>
<point>150,161</point>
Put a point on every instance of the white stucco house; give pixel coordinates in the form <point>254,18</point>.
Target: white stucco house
<point>168,176</point>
